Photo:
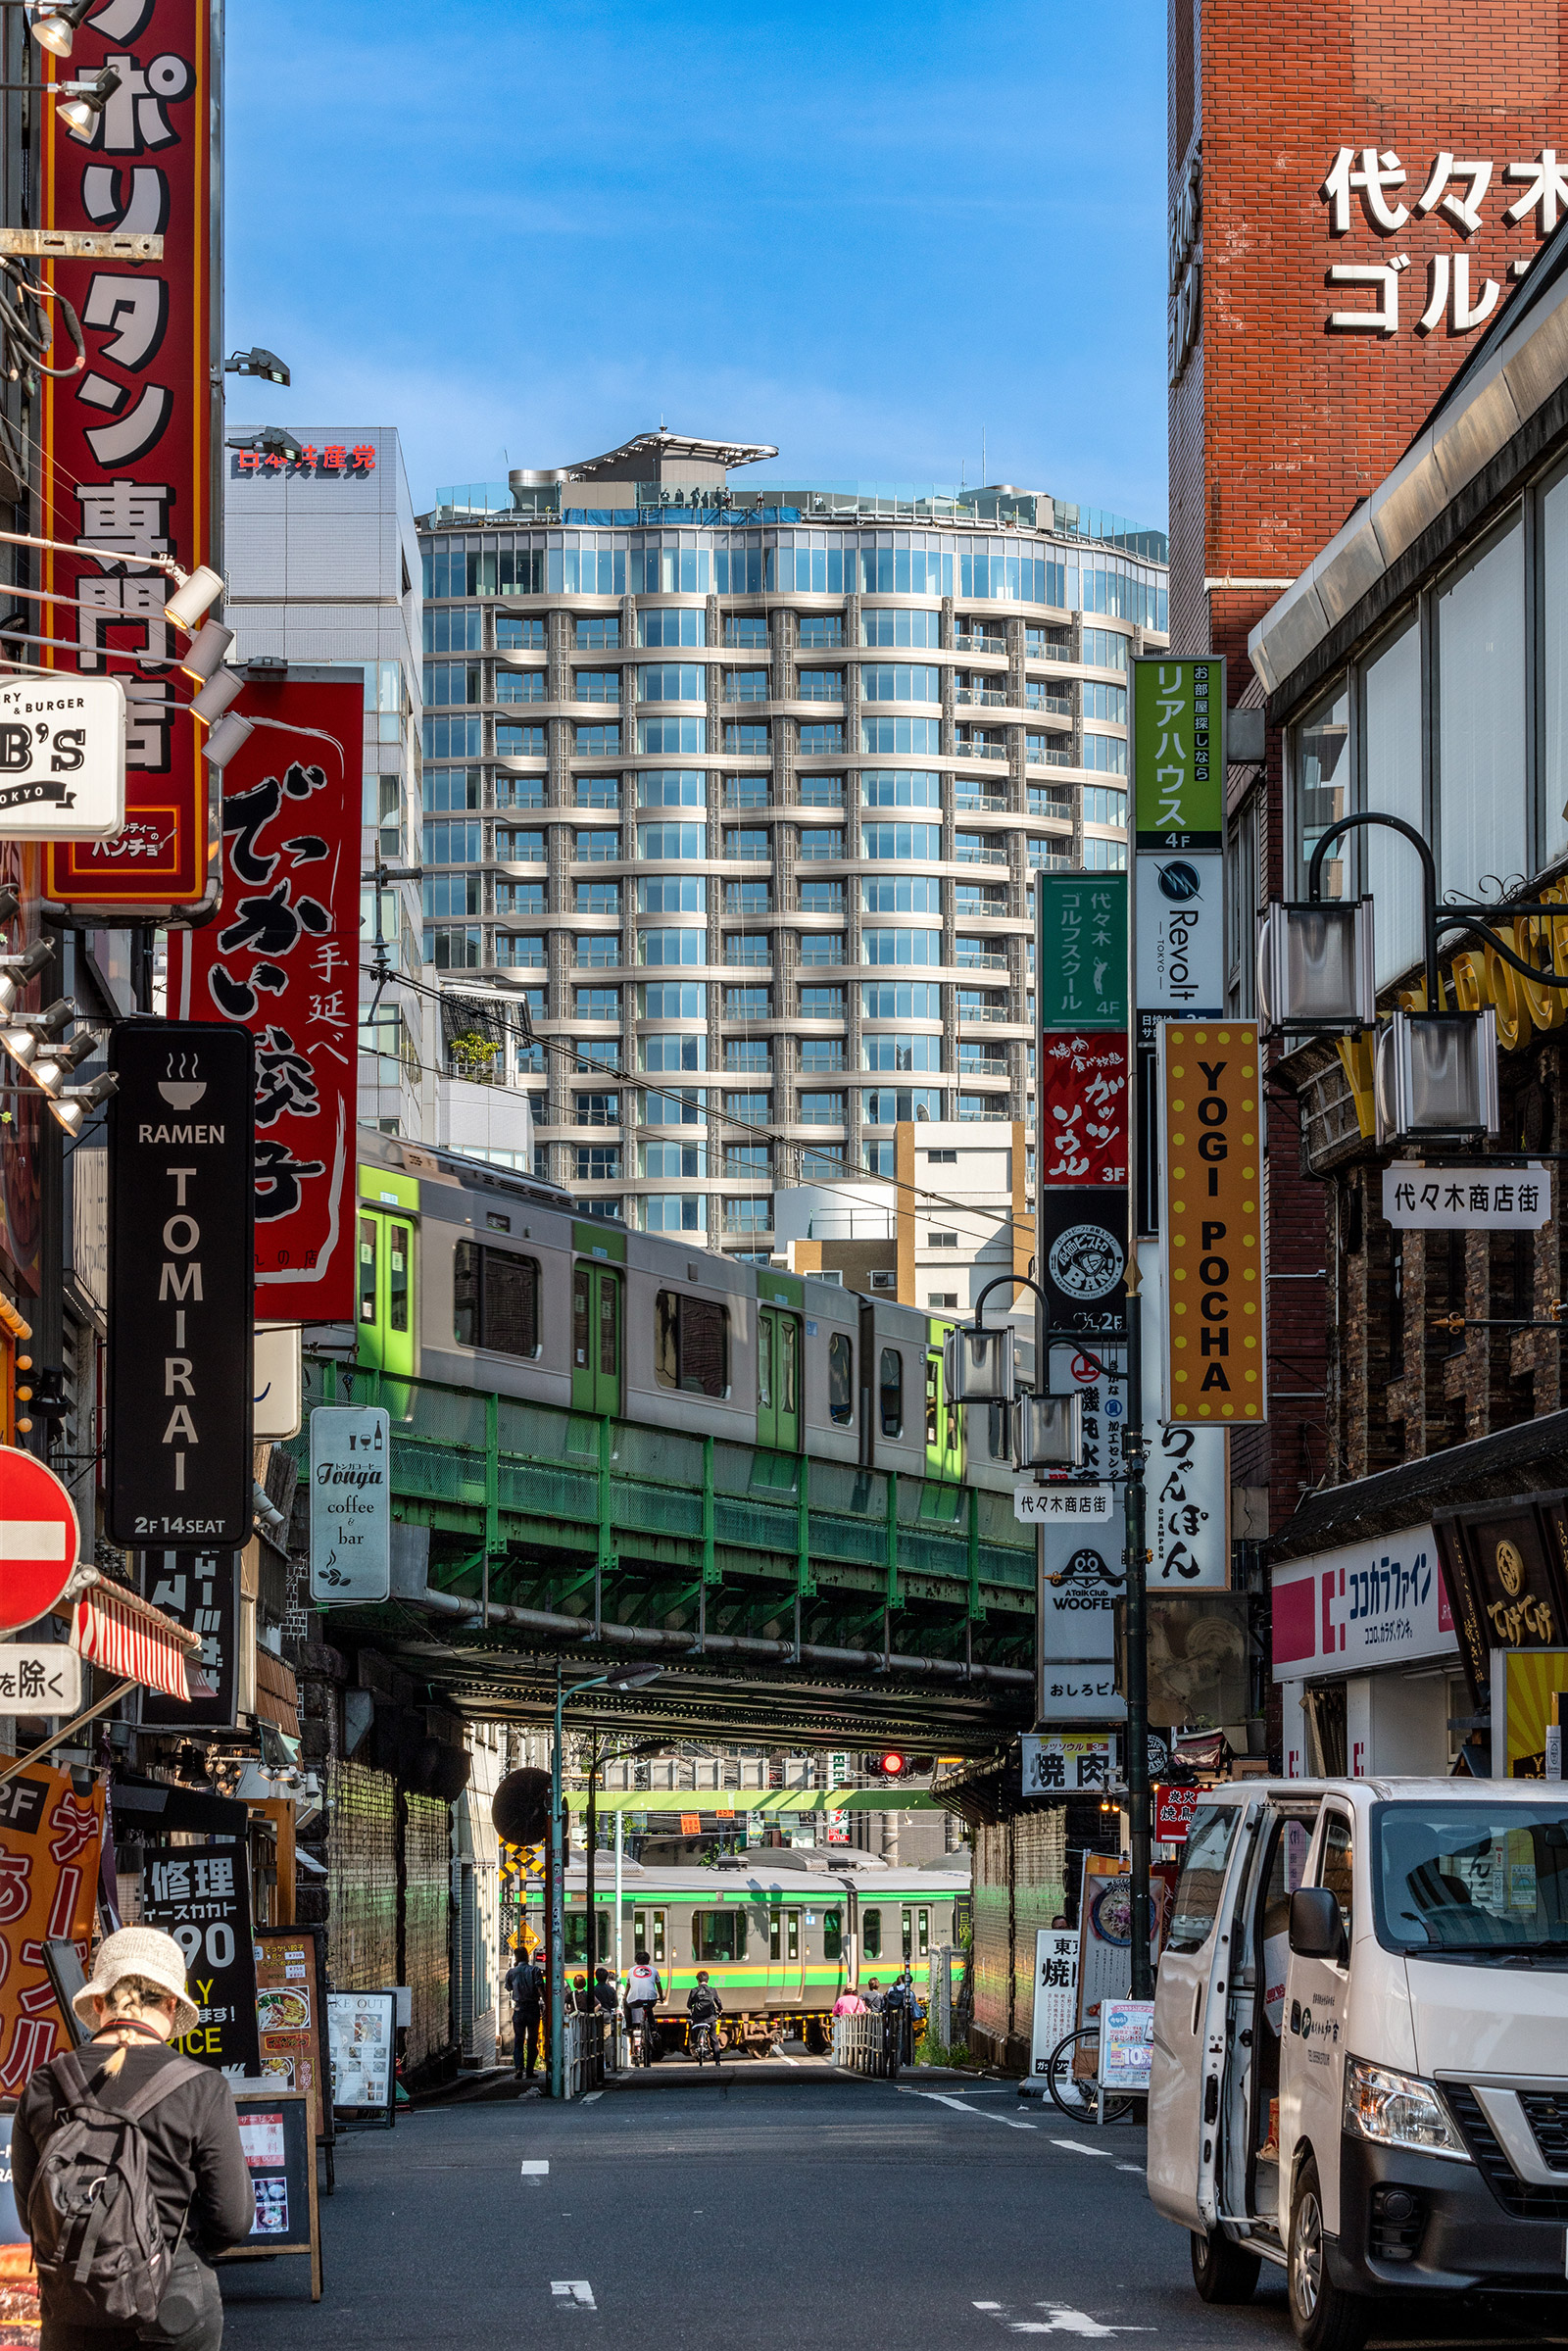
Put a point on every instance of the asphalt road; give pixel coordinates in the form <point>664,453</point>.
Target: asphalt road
<point>783,2205</point>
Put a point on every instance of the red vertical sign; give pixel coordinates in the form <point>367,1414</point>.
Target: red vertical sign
<point>283,959</point>
<point>1082,1113</point>
<point>128,440</point>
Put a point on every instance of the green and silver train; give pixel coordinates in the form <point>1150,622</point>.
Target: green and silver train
<point>487,1280</point>
<point>779,1944</point>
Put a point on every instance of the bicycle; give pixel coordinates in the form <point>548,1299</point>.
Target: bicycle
<point>640,2038</point>
<point>705,2042</point>
<point>1077,2096</point>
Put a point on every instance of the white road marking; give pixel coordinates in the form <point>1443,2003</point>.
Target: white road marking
<point>589,2096</point>
<point>783,2060</point>
<point>1061,2319</point>
<point>534,2169</point>
<point>1136,2169</point>
<point>1078,2149</point>
<point>940,2098</point>
<point>573,2293</point>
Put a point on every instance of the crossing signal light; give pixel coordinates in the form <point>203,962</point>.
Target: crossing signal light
<point>895,1763</point>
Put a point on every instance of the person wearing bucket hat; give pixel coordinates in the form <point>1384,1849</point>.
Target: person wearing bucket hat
<point>136,2002</point>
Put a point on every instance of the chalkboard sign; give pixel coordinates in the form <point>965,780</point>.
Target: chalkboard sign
<point>291,2015</point>
<point>360,2030</point>
<point>278,2136</point>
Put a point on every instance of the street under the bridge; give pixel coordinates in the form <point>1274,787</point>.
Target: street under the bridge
<point>783,2204</point>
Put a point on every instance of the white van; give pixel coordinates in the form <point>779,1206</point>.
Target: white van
<point>1361,2062</point>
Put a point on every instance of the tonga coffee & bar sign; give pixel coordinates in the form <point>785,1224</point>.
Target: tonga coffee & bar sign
<point>351,1502</point>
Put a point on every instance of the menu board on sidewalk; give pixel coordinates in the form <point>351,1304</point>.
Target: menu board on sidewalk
<point>290,2014</point>
<point>279,2144</point>
<point>360,2031</point>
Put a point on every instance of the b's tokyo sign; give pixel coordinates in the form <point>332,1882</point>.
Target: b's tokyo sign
<point>128,441</point>
<point>281,961</point>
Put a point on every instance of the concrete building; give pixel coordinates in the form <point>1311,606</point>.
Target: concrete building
<point>743,788</point>
<point>954,1220</point>
<point>324,566</point>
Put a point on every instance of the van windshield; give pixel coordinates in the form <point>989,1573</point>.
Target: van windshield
<point>1472,1882</point>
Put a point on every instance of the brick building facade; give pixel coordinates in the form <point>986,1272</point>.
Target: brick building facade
<point>1355,191</point>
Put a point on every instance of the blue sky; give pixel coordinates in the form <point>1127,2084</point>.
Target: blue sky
<point>521,232</point>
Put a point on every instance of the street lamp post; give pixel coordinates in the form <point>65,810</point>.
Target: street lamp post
<point>635,1677</point>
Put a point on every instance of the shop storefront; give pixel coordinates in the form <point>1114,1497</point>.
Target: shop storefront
<point>1367,1657</point>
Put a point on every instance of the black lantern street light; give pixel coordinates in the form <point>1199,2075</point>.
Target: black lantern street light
<point>1436,1070</point>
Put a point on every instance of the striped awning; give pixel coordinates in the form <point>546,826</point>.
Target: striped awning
<point>121,1633</point>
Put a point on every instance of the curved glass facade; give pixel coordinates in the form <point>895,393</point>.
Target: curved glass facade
<point>768,770</point>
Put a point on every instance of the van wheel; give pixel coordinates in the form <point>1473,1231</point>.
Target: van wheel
<point>1223,2271</point>
<point>1324,2317</point>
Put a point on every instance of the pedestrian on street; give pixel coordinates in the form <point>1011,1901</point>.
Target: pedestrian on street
<point>582,2001</point>
<point>151,2257</point>
<point>605,1995</point>
<point>873,1997</point>
<point>525,1982</point>
<point>849,2003</point>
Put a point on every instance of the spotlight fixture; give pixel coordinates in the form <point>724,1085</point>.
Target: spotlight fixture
<point>29,1030</point>
<point>206,650</point>
<point>216,694</point>
<point>56,1063</point>
<point>18,971</point>
<point>56,22</point>
<point>76,1107</point>
<point>255,362</point>
<point>188,606</point>
<point>227,737</point>
<point>88,99</point>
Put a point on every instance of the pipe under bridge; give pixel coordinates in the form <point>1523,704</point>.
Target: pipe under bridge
<point>788,1598</point>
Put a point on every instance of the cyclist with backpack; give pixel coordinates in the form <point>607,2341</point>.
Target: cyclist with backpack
<point>704,2008</point>
<point>643,1991</point>
<point>128,2167</point>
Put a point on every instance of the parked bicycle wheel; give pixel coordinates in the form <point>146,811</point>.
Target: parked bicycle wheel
<point>1074,2094</point>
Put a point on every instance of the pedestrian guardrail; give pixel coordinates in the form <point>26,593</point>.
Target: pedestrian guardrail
<point>588,2054</point>
<point>862,2045</point>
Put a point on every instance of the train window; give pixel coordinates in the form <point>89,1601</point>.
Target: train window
<point>691,1344</point>
<point>892,1393</point>
<point>495,1299</point>
<point>717,1935</point>
<point>397,1252</point>
<point>832,1934</point>
<point>841,1379</point>
<point>922,1931</point>
<point>367,1269</point>
<point>788,1378</point>
<point>933,1392</point>
<point>871,1934</point>
<point>906,1946</point>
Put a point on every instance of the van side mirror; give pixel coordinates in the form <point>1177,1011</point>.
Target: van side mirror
<point>1316,1928</point>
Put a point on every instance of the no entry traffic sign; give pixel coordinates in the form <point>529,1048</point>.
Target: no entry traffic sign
<point>40,1539</point>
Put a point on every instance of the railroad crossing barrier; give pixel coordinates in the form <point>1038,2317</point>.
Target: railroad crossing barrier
<point>862,2045</point>
<point>590,2052</point>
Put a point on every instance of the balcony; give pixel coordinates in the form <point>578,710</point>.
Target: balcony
<point>969,796</point>
<point>820,792</point>
<point>1047,653</point>
<point>976,1061</point>
<point>746,689</point>
<point>1060,705</point>
<point>1052,757</point>
<point>982,1015</point>
<point>979,697</point>
<point>749,1217</point>
<point>965,854</point>
<point>819,685</point>
<point>822,1055</point>
<point>1044,802</point>
<point>980,644</point>
<point>979,750</point>
<point>746,792</point>
<point>969,958</point>
<point>748,954</point>
<point>985,1106</point>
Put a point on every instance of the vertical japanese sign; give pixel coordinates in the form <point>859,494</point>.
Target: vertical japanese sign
<point>128,442</point>
<point>202,1898</point>
<point>1082,1106</point>
<point>50,1839</point>
<point>281,961</point>
<point>1081,954</point>
<point>180,1296</point>
<point>1178,758</point>
<point>1188,1480</point>
<point>351,1503</point>
<point>1211,1222</point>
<point>199,1591</point>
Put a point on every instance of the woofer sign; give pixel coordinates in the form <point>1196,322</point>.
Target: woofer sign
<point>182,1297</point>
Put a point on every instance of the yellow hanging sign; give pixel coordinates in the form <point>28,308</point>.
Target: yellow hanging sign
<point>1211,1222</point>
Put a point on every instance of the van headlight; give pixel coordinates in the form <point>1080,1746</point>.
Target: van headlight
<point>1399,2110</point>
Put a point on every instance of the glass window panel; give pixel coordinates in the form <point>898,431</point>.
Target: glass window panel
<point>1392,730</point>
<point>1483,834</point>
<point>1555,665</point>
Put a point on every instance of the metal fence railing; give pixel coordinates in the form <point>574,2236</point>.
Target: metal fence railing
<point>862,2045</point>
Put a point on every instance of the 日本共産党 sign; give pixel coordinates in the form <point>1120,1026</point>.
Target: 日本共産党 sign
<point>1466,1199</point>
<point>128,442</point>
<point>281,961</point>
<point>180,1476</point>
<point>62,758</point>
<point>1081,950</point>
<point>1178,753</point>
<point>1211,1222</point>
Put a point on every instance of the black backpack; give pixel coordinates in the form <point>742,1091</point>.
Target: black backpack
<point>96,2236</point>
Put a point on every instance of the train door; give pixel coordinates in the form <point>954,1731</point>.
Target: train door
<point>917,1926</point>
<point>385,1293</point>
<point>648,1935</point>
<point>778,1379</point>
<point>597,1325</point>
<point>785,1955</point>
<point>943,1422</point>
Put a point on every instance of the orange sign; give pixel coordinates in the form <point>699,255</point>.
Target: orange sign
<point>50,1841</point>
<point>1211,1222</point>
<point>691,1824</point>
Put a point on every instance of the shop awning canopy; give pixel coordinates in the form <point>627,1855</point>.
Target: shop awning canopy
<point>117,1630</point>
